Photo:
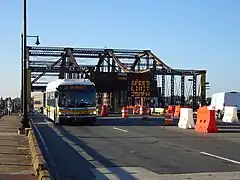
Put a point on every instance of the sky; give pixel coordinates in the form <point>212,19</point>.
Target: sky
<point>188,34</point>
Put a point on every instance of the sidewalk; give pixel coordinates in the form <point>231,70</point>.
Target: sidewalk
<point>15,159</point>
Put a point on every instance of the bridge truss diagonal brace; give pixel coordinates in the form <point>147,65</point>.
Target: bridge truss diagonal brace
<point>45,71</point>
<point>117,61</point>
<point>158,61</point>
<point>102,59</point>
<point>137,60</point>
<point>100,62</point>
<point>72,58</point>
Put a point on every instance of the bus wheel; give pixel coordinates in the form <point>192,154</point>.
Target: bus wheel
<point>57,122</point>
<point>219,116</point>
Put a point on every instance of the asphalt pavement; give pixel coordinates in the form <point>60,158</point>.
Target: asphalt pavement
<point>135,149</point>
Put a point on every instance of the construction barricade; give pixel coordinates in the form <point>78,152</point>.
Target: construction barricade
<point>124,112</point>
<point>206,121</point>
<point>142,110</point>
<point>130,109</point>
<point>177,111</point>
<point>104,111</point>
<point>145,112</point>
<point>230,114</point>
<point>168,119</point>
<point>171,110</point>
<point>186,118</point>
<point>136,110</point>
<point>157,111</point>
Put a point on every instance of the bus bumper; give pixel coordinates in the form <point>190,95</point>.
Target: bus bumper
<point>77,119</point>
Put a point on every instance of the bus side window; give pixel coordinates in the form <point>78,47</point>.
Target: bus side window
<point>44,99</point>
<point>52,99</point>
<point>48,98</point>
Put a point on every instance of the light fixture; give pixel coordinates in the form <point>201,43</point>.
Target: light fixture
<point>37,41</point>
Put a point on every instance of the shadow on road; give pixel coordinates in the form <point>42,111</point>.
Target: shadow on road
<point>111,121</point>
<point>93,156</point>
<point>71,158</point>
<point>228,131</point>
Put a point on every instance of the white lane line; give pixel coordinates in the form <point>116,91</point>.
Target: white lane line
<point>219,157</point>
<point>120,129</point>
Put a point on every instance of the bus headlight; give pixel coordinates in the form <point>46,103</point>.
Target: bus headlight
<point>62,114</point>
<point>94,113</point>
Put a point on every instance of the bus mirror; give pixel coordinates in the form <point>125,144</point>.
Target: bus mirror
<point>56,94</point>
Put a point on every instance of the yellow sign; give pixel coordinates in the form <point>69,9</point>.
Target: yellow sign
<point>140,88</point>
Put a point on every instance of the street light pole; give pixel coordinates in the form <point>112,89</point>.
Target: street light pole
<point>22,74</point>
<point>25,85</point>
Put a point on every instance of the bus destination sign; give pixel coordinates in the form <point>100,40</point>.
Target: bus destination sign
<point>75,87</point>
<point>78,87</point>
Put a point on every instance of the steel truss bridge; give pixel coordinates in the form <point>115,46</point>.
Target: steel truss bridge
<point>109,60</point>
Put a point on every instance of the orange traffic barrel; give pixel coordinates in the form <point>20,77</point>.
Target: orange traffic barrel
<point>168,120</point>
<point>124,112</point>
<point>143,110</point>
<point>104,111</point>
<point>135,110</point>
<point>177,111</point>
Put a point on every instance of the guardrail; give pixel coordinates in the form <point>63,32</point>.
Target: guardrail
<point>41,161</point>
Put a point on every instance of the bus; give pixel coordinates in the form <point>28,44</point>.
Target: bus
<point>71,100</point>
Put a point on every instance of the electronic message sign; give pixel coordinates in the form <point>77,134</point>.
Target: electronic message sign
<point>140,88</point>
<point>136,84</point>
<point>142,85</point>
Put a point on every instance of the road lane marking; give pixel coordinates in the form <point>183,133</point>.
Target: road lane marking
<point>45,122</point>
<point>120,129</point>
<point>219,157</point>
<point>126,173</point>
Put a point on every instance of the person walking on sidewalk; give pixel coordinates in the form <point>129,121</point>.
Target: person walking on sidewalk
<point>9,106</point>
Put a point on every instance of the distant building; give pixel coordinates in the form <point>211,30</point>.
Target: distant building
<point>37,100</point>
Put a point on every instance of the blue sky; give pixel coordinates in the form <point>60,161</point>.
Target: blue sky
<point>200,34</point>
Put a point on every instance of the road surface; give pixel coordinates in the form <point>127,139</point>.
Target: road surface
<point>132,149</point>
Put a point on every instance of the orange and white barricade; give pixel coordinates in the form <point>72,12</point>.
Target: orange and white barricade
<point>124,112</point>
<point>168,119</point>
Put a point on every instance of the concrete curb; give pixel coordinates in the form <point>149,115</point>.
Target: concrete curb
<point>38,161</point>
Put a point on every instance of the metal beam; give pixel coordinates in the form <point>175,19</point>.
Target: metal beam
<point>86,50</point>
<point>119,63</point>
<point>178,72</point>
<point>44,72</point>
<point>34,75</point>
<point>80,55</point>
<point>158,60</point>
<point>58,69</point>
<point>137,59</point>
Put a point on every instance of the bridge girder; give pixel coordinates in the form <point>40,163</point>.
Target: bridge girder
<point>109,60</point>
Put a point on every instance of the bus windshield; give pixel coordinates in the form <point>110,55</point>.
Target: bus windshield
<point>73,99</point>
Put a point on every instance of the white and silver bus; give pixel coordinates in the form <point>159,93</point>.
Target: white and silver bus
<point>71,100</point>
